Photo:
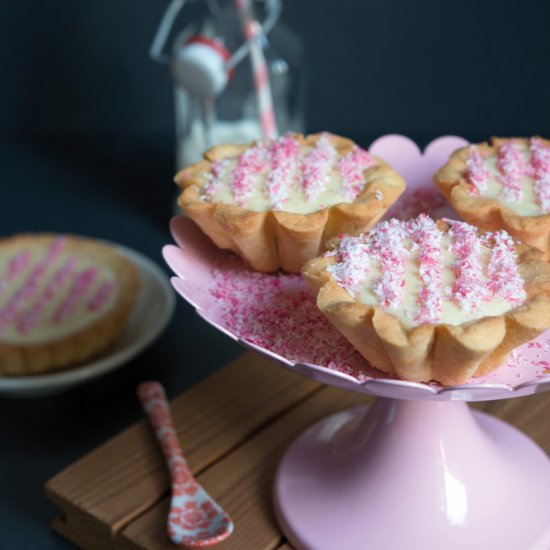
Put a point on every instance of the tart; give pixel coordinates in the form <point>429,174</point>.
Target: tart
<point>63,299</point>
<point>276,203</point>
<point>504,184</point>
<point>426,300</point>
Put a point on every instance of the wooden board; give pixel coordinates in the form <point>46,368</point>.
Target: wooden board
<point>233,428</point>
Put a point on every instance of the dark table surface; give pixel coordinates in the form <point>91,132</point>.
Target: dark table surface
<point>122,192</point>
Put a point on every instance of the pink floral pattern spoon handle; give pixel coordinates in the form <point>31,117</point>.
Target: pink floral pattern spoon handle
<point>195,519</point>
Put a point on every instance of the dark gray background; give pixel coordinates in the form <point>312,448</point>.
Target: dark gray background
<point>86,146</point>
<point>420,68</point>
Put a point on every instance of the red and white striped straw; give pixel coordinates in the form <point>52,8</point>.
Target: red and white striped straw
<point>259,70</point>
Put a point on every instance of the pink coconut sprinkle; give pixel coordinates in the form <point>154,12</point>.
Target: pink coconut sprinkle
<point>540,163</point>
<point>284,154</point>
<point>214,178</point>
<point>468,290</point>
<point>279,313</point>
<point>513,167</point>
<point>317,166</point>
<point>387,242</point>
<point>477,173</point>
<point>249,166</point>
<point>352,167</point>
<point>504,279</point>
<point>353,262</point>
<point>427,236</point>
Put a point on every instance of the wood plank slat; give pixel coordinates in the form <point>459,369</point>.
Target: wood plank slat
<point>242,481</point>
<point>127,475</point>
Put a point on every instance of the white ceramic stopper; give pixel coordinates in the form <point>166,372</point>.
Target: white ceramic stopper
<point>199,66</point>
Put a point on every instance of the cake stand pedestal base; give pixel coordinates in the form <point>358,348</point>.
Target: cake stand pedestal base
<point>414,475</point>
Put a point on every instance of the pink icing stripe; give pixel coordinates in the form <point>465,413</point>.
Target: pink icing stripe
<point>477,173</point>
<point>8,313</point>
<point>82,282</point>
<point>102,295</point>
<point>284,154</point>
<point>504,279</point>
<point>387,241</point>
<point>540,164</point>
<point>18,264</point>
<point>15,266</point>
<point>249,166</point>
<point>27,320</point>
<point>468,289</point>
<point>512,166</point>
<point>351,167</point>
<point>427,236</point>
<point>316,167</point>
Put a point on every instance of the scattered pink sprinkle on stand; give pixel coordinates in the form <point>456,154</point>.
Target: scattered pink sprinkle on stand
<point>417,469</point>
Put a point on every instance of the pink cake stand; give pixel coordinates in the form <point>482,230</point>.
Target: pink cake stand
<point>417,470</point>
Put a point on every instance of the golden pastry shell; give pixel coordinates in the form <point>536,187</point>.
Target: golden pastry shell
<point>79,346</point>
<point>271,240</point>
<point>445,353</point>
<point>486,213</point>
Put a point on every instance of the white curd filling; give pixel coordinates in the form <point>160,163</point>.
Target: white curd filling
<point>517,176</point>
<point>419,274</point>
<point>286,175</point>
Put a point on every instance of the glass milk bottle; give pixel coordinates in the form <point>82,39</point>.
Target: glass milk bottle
<point>238,74</point>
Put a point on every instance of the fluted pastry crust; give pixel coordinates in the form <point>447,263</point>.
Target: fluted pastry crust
<point>274,239</point>
<point>488,213</point>
<point>73,347</point>
<point>448,354</point>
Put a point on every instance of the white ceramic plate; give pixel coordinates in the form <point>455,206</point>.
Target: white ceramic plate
<point>152,311</point>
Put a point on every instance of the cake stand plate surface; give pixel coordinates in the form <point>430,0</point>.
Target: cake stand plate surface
<point>411,472</point>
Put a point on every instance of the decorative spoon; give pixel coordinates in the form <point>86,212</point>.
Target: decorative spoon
<point>195,520</point>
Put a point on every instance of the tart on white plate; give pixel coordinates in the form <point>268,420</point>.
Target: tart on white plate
<point>433,300</point>
<point>276,203</point>
<point>504,184</point>
<point>63,300</point>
